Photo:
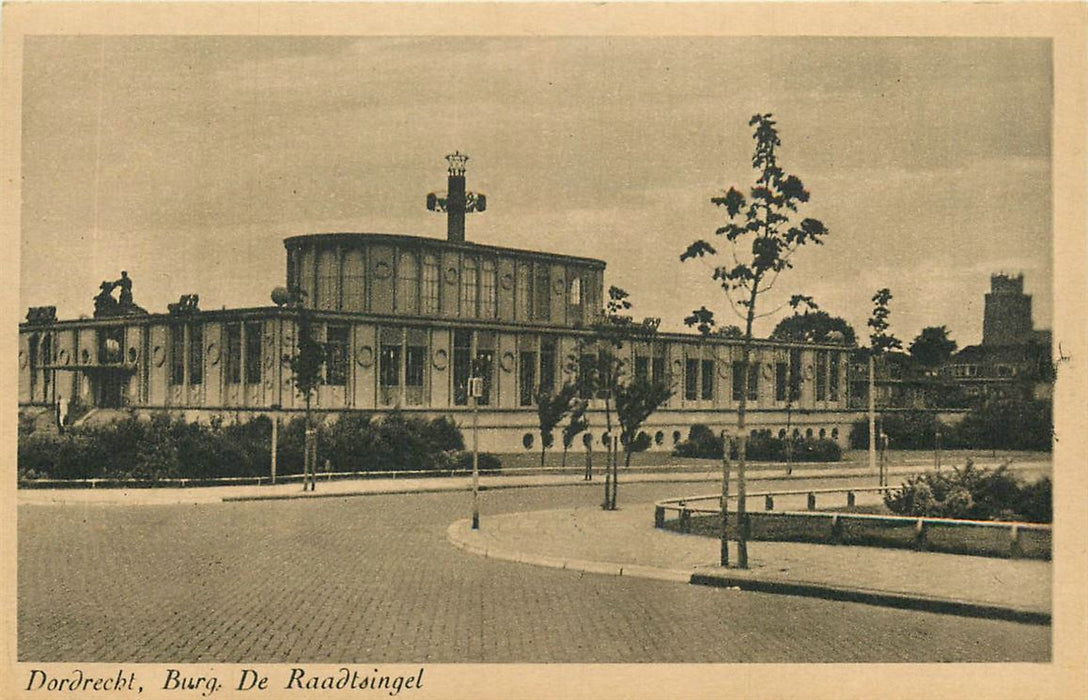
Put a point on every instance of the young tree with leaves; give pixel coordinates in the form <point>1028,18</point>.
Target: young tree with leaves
<point>763,239</point>
<point>602,372</point>
<point>880,342</point>
<point>550,409</point>
<point>576,424</point>
<point>306,363</point>
<point>635,402</point>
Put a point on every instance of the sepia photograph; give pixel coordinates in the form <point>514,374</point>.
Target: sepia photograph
<point>539,343</point>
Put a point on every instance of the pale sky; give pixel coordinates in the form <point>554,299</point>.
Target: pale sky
<point>187,160</point>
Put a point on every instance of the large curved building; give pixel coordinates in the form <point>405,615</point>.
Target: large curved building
<point>405,320</point>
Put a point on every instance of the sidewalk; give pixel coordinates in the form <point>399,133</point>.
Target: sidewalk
<point>625,543</point>
<point>387,485</point>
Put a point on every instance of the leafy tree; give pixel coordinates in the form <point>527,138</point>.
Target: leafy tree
<point>814,327</point>
<point>550,409</point>
<point>306,363</point>
<point>609,380</point>
<point>880,342</point>
<point>576,425</point>
<point>932,347</point>
<point>763,238</point>
<point>635,402</point>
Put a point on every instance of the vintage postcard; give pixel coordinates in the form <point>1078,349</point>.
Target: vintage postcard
<point>488,350</point>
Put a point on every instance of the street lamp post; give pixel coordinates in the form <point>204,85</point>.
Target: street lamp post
<point>476,390</point>
<point>872,412</point>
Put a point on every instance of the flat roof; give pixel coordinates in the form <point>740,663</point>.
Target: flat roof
<point>440,243</point>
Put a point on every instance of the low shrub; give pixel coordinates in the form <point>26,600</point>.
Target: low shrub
<point>486,462</point>
<point>642,442</point>
<point>761,447</point>
<point>701,442</point>
<point>973,494</point>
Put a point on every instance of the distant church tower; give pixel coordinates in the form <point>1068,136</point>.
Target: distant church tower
<point>1007,317</point>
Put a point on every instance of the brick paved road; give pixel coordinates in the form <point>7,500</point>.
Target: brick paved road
<point>373,579</point>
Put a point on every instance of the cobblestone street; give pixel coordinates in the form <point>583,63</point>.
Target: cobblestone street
<point>374,579</point>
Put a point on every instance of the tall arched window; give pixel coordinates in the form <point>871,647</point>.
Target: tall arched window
<point>408,283</point>
<point>430,285</point>
<point>469,292</point>
<point>488,289</point>
<point>576,291</point>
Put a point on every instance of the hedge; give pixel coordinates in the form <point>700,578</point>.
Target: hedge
<point>1009,425</point>
<point>166,447</point>
<point>762,446</point>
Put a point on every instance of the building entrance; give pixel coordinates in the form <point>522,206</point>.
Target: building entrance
<point>108,388</point>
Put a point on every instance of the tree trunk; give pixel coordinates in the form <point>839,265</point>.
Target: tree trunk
<point>725,500</point>
<point>607,484</point>
<point>610,461</point>
<point>742,435</point>
<point>615,471</point>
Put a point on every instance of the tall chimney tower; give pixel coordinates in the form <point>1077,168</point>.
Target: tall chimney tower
<point>455,198</point>
<point>457,201</point>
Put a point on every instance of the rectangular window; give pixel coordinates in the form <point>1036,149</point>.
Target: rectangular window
<point>488,289</point>
<point>354,281</point>
<point>234,353</point>
<point>753,383</point>
<point>524,291</point>
<point>469,289</point>
<point>328,274</point>
<point>543,310</point>
<point>253,352</point>
<point>177,355</point>
<point>780,383</point>
<point>587,366</point>
<point>821,375</point>
<point>548,355</point>
<point>336,355</point>
<point>196,354</point>
<point>795,375</point>
<point>414,365</point>
<point>389,374</point>
<point>738,381</point>
<point>658,366</point>
<point>707,380</point>
<point>833,377</point>
<point>691,379</point>
<point>110,344</point>
<point>462,365</point>
<point>430,285</point>
<point>642,369</point>
<point>484,366</point>
<point>407,283</point>
<point>526,377</point>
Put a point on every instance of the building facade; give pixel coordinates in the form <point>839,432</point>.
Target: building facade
<point>405,321</point>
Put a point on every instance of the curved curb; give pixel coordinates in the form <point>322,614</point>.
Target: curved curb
<point>887,599</point>
<point>583,565</point>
